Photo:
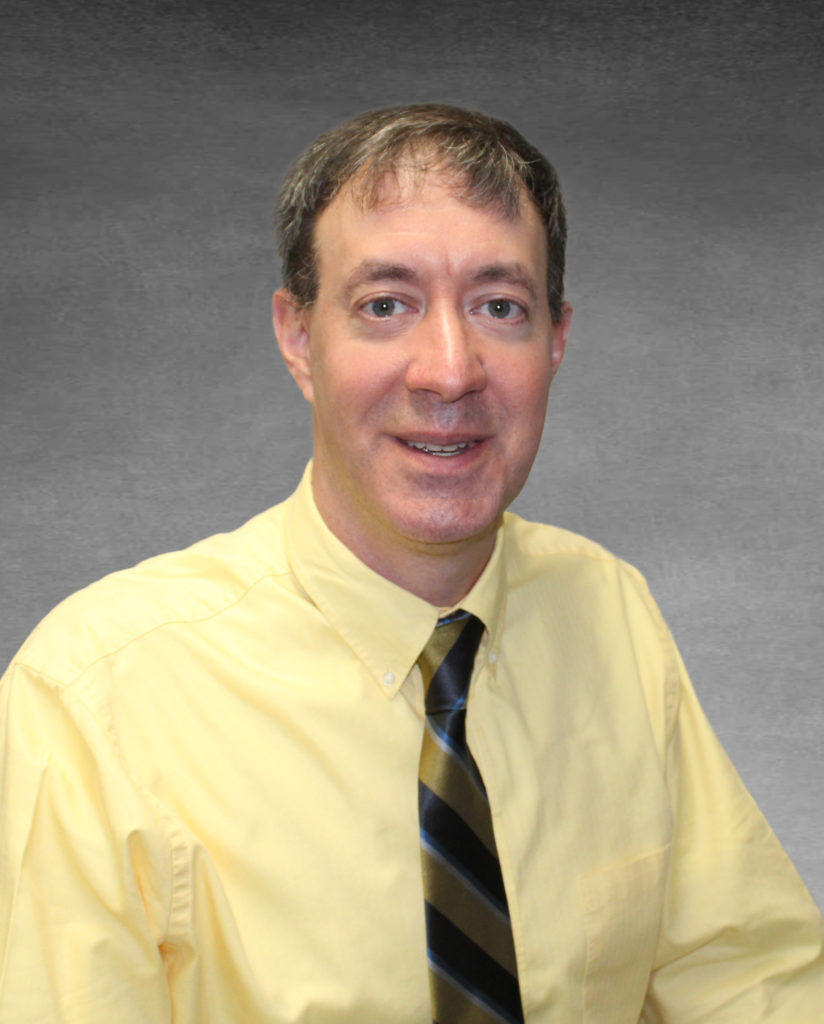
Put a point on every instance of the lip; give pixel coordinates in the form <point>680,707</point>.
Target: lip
<point>440,440</point>
<point>439,464</point>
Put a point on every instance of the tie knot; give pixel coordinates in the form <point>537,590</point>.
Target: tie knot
<point>446,661</point>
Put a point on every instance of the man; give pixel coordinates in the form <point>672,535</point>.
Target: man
<point>245,782</point>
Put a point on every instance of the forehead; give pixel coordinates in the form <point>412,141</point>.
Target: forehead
<point>426,220</point>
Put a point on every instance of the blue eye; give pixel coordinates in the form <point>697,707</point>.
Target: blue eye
<point>503,309</point>
<point>384,307</point>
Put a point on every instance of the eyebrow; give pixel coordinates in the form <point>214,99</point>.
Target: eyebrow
<point>369,271</point>
<point>508,273</point>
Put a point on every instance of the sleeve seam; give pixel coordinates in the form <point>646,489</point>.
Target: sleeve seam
<point>179,890</point>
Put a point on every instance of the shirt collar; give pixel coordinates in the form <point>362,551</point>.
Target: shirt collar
<point>385,625</point>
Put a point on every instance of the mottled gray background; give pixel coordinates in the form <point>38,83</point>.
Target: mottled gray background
<point>143,405</point>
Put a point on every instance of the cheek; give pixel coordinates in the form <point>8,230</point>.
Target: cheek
<point>528,395</point>
<point>352,369</point>
<point>347,397</point>
<point>332,383</point>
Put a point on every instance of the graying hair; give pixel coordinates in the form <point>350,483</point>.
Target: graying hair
<point>490,160</point>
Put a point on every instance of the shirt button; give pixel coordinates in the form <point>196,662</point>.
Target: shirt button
<point>388,678</point>
<point>492,657</point>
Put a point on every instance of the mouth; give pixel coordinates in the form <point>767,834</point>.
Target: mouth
<point>443,451</point>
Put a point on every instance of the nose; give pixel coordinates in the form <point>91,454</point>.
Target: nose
<point>446,359</point>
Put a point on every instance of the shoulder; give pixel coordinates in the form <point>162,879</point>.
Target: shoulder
<point>537,550</point>
<point>185,587</point>
<point>566,576</point>
<point>591,600</point>
<point>561,562</point>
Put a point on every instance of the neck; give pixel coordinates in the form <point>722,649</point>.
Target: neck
<point>441,573</point>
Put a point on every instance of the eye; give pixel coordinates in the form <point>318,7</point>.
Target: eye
<point>503,309</point>
<point>384,307</point>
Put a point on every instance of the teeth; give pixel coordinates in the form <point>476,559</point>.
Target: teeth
<point>439,449</point>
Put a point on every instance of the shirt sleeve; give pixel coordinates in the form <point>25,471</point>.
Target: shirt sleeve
<point>741,938</point>
<point>85,869</point>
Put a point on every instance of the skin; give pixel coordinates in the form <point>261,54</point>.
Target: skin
<point>431,325</point>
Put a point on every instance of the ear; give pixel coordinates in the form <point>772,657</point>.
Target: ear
<point>292,333</point>
<point>560,336</point>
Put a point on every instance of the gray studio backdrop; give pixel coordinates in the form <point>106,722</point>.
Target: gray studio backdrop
<point>143,404</point>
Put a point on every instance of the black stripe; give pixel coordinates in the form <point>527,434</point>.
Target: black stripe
<point>451,682</point>
<point>472,963</point>
<point>461,844</point>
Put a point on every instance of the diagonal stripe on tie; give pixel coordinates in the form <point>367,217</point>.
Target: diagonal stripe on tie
<point>451,836</point>
<point>459,901</point>
<point>466,966</point>
<point>447,774</point>
<point>473,972</point>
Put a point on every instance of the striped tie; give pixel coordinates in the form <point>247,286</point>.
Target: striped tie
<point>472,972</point>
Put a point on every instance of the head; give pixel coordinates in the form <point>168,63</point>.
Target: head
<point>494,165</point>
<point>423,319</point>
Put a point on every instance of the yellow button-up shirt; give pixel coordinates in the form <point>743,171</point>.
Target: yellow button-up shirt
<point>209,780</point>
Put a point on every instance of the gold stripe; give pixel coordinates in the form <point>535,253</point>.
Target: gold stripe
<point>449,780</point>
<point>438,646</point>
<point>468,912</point>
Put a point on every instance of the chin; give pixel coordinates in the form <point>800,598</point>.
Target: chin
<point>447,524</point>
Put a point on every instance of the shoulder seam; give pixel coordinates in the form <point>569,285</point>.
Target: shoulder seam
<point>70,683</point>
<point>667,645</point>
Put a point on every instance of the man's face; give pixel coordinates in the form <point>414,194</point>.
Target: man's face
<point>427,357</point>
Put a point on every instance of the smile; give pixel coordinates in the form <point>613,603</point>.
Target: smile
<point>443,450</point>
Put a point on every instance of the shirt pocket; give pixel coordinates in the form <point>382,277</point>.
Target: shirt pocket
<point>622,914</point>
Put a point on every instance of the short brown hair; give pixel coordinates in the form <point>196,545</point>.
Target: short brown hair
<point>492,160</point>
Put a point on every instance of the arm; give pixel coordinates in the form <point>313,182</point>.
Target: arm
<point>84,868</point>
<point>741,939</point>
